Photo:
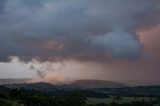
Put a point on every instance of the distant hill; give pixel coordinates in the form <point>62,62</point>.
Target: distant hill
<point>14,81</point>
<point>36,86</point>
<point>97,84</point>
<point>75,85</point>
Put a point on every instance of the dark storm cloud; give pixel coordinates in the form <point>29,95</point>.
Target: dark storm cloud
<point>74,29</point>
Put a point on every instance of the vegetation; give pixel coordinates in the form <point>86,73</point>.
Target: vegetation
<point>81,97</point>
<point>23,97</point>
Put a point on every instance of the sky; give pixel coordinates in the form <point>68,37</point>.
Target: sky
<point>60,41</point>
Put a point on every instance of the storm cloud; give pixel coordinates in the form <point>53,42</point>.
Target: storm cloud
<point>54,30</point>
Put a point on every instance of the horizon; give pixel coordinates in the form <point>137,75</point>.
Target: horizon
<point>84,83</point>
<point>58,41</point>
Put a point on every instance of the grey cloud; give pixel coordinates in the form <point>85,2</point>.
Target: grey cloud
<point>82,27</point>
<point>125,45</point>
<point>2,5</point>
